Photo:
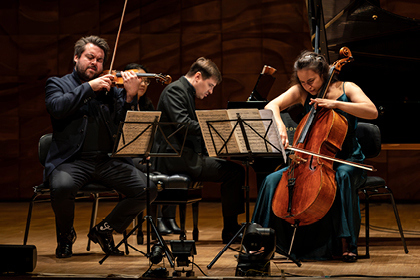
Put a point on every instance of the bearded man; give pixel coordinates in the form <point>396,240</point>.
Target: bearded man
<point>85,113</point>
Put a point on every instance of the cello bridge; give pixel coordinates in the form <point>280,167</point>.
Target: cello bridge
<point>297,159</point>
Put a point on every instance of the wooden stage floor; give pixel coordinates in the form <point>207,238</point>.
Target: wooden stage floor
<point>387,260</point>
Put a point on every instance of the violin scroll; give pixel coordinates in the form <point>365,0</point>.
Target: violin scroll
<point>164,79</point>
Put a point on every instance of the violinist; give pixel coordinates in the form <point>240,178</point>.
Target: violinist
<point>85,112</point>
<point>143,102</point>
<point>166,223</point>
<point>336,234</point>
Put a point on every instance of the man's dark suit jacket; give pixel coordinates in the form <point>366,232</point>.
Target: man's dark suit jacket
<point>177,104</point>
<point>67,100</point>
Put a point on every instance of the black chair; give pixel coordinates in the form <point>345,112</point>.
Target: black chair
<point>369,137</point>
<point>178,189</point>
<point>42,191</point>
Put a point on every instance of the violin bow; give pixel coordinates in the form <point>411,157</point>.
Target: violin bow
<point>118,37</point>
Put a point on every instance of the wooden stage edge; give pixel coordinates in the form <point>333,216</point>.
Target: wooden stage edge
<point>387,260</point>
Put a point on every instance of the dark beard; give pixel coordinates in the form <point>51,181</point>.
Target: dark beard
<point>82,74</point>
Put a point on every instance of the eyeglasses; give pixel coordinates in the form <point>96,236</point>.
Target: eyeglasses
<point>145,81</point>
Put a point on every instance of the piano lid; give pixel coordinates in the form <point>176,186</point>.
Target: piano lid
<point>386,61</point>
<point>263,85</point>
<point>373,30</point>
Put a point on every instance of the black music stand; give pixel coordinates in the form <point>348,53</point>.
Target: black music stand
<point>249,155</point>
<point>142,148</point>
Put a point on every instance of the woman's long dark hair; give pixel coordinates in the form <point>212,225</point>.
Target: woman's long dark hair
<point>145,104</point>
<point>312,61</point>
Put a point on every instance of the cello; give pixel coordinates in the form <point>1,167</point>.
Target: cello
<point>307,189</point>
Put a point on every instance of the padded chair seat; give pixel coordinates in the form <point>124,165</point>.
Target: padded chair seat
<point>86,190</point>
<point>373,182</point>
<point>178,189</point>
<point>173,182</point>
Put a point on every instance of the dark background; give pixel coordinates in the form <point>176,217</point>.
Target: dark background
<point>37,39</point>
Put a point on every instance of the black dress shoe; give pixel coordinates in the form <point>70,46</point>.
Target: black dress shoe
<point>171,224</point>
<point>65,244</point>
<point>349,257</point>
<point>162,227</point>
<point>64,250</point>
<point>228,234</point>
<point>105,240</point>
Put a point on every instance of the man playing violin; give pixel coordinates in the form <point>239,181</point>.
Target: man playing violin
<point>85,112</point>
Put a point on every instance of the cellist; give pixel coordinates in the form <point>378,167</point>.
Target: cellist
<point>342,222</point>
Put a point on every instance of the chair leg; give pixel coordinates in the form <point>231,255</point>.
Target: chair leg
<point>28,219</point>
<point>367,224</point>
<point>182,217</point>
<point>125,237</point>
<point>397,217</point>
<point>139,223</point>
<point>195,221</point>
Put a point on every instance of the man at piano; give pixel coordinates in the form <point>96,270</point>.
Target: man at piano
<point>177,104</point>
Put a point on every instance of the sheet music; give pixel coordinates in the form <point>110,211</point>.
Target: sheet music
<point>273,134</point>
<point>136,132</point>
<point>217,133</point>
<point>256,142</point>
<point>255,129</point>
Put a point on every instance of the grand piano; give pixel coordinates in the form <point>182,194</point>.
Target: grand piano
<point>386,59</point>
<point>386,67</point>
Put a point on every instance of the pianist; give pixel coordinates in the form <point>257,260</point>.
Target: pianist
<point>177,104</point>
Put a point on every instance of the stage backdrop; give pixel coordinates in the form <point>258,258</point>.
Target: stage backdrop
<point>37,38</point>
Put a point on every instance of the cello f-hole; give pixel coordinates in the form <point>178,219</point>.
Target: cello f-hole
<point>311,166</point>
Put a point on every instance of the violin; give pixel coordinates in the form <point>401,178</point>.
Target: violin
<point>118,81</point>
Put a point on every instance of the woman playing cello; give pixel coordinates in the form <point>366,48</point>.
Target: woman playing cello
<point>337,233</point>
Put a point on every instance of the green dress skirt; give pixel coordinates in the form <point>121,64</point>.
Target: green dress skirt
<point>320,240</point>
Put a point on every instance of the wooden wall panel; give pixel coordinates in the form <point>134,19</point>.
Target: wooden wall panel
<point>38,17</point>
<point>37,39</point>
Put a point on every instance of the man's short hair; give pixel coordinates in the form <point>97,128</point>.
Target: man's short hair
<point>207,68</point>
<point>80,45</point>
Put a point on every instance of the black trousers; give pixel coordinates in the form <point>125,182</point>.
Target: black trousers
<point>232,177</point>
<point>114,173</point>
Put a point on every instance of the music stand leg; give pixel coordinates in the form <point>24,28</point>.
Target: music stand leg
<point>289,257</point>
<point>244,225</point>
<point>227,246</point>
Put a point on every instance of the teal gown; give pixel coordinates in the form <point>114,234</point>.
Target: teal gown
<point>321,240</point>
